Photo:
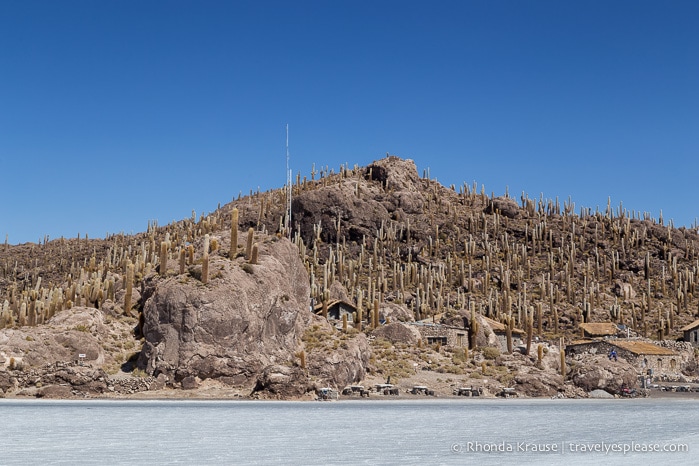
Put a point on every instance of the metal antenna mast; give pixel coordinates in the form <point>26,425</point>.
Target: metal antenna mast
<point>288,184</point>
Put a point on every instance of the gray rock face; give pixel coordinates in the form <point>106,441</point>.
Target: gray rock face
<point>600,394</point>
<point>246,319</point>
<point>55,391</point>
<point>394,193</point>
<point>282,381</point>
<point>396,312</point>
<point>598,372</point>
<point>338,291</point>
<point>539,384</point>
<point>68,334</point>
<point>395,173</point>
<point>505,206</point>
<point>341,360</point>
<point>397,333</point>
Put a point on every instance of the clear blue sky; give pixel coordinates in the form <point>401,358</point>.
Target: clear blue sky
<point>114,113</point>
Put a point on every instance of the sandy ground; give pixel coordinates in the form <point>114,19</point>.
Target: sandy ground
<point>442,384</point>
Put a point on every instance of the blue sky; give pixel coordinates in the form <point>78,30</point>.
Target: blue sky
<point>114,113</point>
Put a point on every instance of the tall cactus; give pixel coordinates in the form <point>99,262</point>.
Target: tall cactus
<point>509,326</point>
<point>563,362</point>
<point>129,288</point>
<point>254,254</point>
<point>375,315</point>
<point>234,234</point>
<point>162,268</point>
<point>473,329</point>
<point>205,262</point>
<point>250,240</point>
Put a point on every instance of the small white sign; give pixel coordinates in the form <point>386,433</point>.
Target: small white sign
<point>82,356</point>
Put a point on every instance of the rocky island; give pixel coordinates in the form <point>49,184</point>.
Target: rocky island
<point>380,278</point>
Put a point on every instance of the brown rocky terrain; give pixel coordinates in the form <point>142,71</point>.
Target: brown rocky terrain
<point>180,309</point>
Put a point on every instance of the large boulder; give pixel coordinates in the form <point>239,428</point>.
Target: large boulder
<point>594,372</point>
<point>505,206</point>
<point>398,333</point>
<point>55,391</point>
<point>246,320</point>
<point>338,292</point>
<point>395,312</point>
<point>394,173</point>
<point>538,383</point>
<point>282,381</point>
<point>485,336</point>
<point>334,358</point>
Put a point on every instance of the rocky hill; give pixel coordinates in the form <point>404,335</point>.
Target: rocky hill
<point>227,297</point>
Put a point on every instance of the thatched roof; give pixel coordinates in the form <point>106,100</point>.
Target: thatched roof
<point>499,327</point>
<point>691,326</point>
<point>319,307</point>
<point>643,348</point>
<point>599,329</point>
<point>581,342</point>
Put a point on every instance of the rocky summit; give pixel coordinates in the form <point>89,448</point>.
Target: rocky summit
<point>381,282</point>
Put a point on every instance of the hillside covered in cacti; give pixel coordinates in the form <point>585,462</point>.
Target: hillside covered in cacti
<point>396,245</point>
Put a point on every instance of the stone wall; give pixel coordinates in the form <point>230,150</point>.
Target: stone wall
<point>455,337</point>
<point>670,365</point>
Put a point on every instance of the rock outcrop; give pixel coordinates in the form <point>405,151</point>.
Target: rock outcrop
<point>334,358</point>
<point>361,211</point>
<point>504,206</point>
<point>395,312</point>
<point>67,335</point>
<point>538,384</point>
<point>398,333</point>
<point>595,372</point>
<point>244,326</point>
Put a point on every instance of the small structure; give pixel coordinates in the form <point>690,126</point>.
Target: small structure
<point>599,329</point>
<point>645,356</point>
<point>586,346</point>
<point>355,390</point>
<point>691,333</point>
<point>507,392</point>
<point>386,389</point>
<point>500,332</point>
<point>467,391</point>
<point>336,309</point>
<point>421,390</point>
<point>444,335</point>
<point>327,394</point>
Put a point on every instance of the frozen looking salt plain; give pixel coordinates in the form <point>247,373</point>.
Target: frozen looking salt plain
<point>574,432</point>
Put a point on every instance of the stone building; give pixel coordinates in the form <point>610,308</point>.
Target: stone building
<point>691,333</point>
<point>500,332</point>
<point>647,357</point>
<point>336,309</point>
<point>445,335</point>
